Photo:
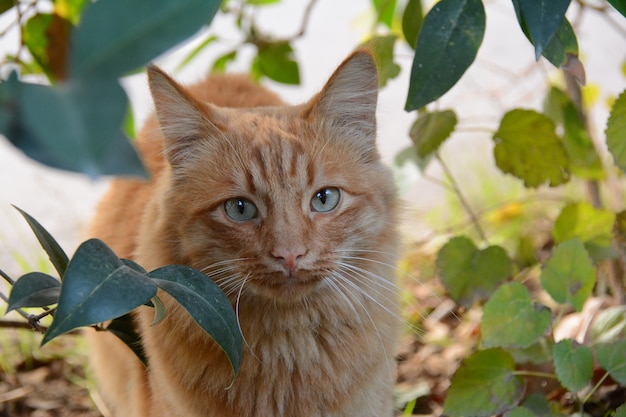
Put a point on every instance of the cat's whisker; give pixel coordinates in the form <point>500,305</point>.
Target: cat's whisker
<point>237,302</point>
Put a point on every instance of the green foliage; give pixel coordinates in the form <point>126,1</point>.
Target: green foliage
<point>573,364</point>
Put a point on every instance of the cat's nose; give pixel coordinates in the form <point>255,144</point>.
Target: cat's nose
<point>289,256</point>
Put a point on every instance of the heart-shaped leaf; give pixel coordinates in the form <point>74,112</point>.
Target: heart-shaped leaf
<point>34,289</point>
<point>573,364</point>
<point>612,357</point>
<point>97,287</point>
<point>206,303</point>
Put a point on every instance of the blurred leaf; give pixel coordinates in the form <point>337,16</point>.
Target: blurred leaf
<point>70,9</point>
<point>519,412</point>
<point>573,364</point>
<point>485,384</point>
<point>470,274</point>
<point>569,275</point>
<point>616,131</point>
<point>538,353</point>
<point>209,40</point>
<point>541,20</point>
<point>206,303</point>
<point>91,289</point>
<point>447,44</point>
<point>220,63</point>
<point>528,147</point>
<point>594,227</point>
<point>55,253</point>
<point>409,154</point>
<point>612,357</point>
<point>34,289</point>
<point>512,319</point>
<point>35,39</point>
<point>47,38</point>
<point>74,126</point>
<point>6,5</point>
<point>431,129</point>
<point>620,5</point>
<point>115,36</point>
<point>412,20</point>
<point>262,2</point>
<point>385,9</point>
<point>275,61</point>
<point>381,48</point>
<point>608,326</point>
<point>124,328</point>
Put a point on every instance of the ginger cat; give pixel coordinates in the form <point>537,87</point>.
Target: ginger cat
<point>291,211</point>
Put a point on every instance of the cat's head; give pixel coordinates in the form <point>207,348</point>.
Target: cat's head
<point>279,201</point>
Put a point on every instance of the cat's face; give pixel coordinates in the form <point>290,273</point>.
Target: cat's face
<point>282,201</point>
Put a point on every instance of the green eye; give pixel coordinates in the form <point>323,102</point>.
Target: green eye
<point>325,199</point>
<point>240,209</point>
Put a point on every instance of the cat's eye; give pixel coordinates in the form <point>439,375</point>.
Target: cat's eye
<point>325,199</point>
<point>240,209</point>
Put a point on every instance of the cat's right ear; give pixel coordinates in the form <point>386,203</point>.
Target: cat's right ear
<point>183,120</point>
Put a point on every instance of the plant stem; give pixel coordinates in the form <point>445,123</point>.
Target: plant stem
<point>595,388</point>
<point>535,374</point>
<point>462,199</point>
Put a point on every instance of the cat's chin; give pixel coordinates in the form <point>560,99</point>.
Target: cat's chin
<point>287,288</point>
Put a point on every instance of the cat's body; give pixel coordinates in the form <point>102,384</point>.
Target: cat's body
<point>290,210</point>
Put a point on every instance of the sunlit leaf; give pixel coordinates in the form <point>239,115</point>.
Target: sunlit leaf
<point>612,357</point>
<point>573,364</point>
<point>382,51</point>
<point>385,9</point>
<point>55,253</point>
<point>220,63</point>
<point>275,61</point>
<point>593,226</point>
<point>528,147</point>
<point>484,385</point>
<point>470,274</point>
<point>70,9</point>
<point>541,19</point>
<point>34,289</point>
<point>209,40</point>
<point>206,303</point>
<point>512,319</point>
<point>412,19</point>
<point>431,129</point>
<point>91,289</point>
<point>447,44</point>
<point>113,38</point>
<point>569,275</point>
<point>616,131</point>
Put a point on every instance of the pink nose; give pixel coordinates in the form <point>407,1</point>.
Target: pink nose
<point>288,257</point>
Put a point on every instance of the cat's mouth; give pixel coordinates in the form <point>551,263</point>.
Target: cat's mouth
<point>287,286</point>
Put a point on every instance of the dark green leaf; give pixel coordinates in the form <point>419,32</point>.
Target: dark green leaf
<point>6,5</point>
<point>381,48</point>
<point>616,131</point>
<point>541,19</point>
<point>569,275</point>
<point>430,130</point>
<point>528,147</point>
<point>470,274</point>
<point>512,319</point>
<point>519,412</point>
<point>446,46</point>
<point>594,227</point>
<point>620,5</point>
<point>485,384</point>
<point>573,364</point>
<point>612,357</point>
<point>412,19</point>
<point>206,303</point>
<point>97,287</point>
<point>115,37</point>
<point>124,328</point>
<point>385,10</point>
<point>34,289</point>
<point>57,256</point>
<point>275,61</point>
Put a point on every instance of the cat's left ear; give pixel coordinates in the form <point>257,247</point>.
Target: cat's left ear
<point>347,103</point>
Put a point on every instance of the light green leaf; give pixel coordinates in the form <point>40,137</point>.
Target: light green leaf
<point>485,384</point>
<point>569,275</point>
<point>430,130</point>
<point>412,19</point>
<point>209,40</point>
<point>470,274</point>
<point>447,44</point>
<point>512,319</point>
<point>519,412</point>
<point>91,289</point>
<point>115,36</point>
<point>609,325</point>
<point>206,303</point>
<point>621,410</point>
<point>34,289</point>
<point>381,48</point>
<point>57,256</point>
<point>594,227</point>
<point>528,147</point>
<point>385,9</point>
<point>616,131</point>
<point>275,61</point>
<point>541,20</point>
<point>573,364</point>
<point>70,9</point>
<point>612,357</point>
<point>220,63</point>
